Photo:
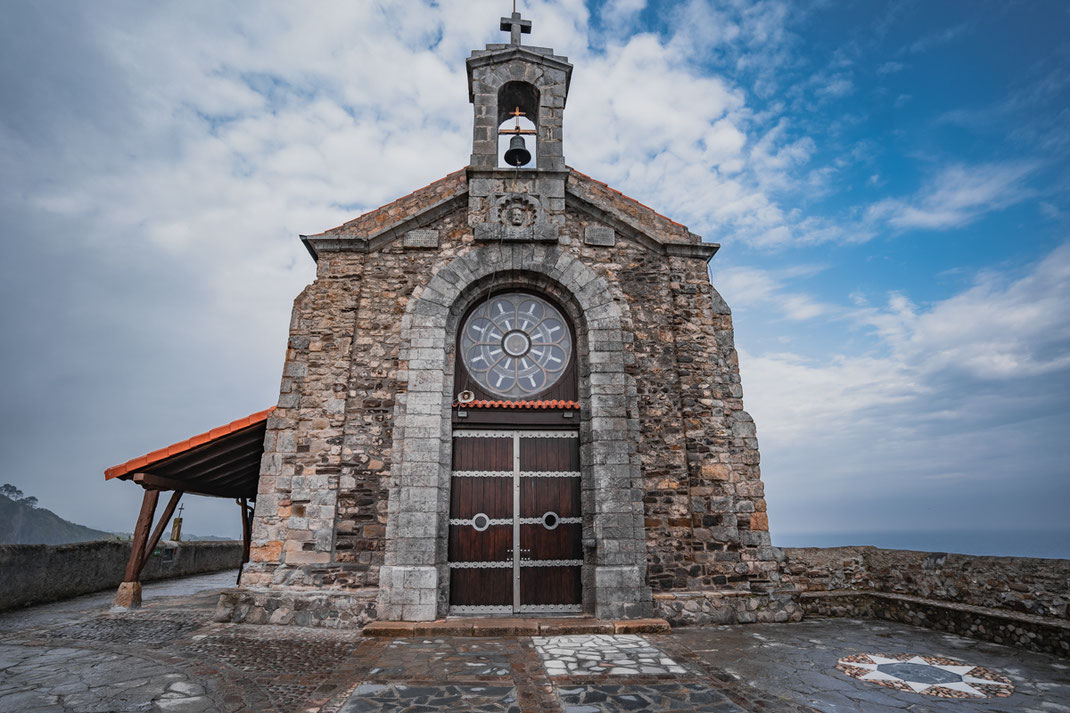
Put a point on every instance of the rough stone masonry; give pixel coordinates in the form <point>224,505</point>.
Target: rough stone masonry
<point>352,513</point>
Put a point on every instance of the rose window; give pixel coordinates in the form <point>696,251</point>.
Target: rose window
<point>516,345</point>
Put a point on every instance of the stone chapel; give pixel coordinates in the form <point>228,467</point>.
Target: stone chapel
<point>513,391</point>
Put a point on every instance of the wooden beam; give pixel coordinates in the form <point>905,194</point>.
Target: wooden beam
<point>211,451</point>
<point>141,535</point>
<point>151,543</point>
<point>148,480</point>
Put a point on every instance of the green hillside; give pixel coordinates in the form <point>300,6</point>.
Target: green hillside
<point>22,523</point>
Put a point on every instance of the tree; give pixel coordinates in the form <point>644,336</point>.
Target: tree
<point>10,491</point>
<point>30,502</point>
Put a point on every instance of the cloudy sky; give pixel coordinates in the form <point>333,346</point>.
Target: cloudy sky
<point>888,181</point>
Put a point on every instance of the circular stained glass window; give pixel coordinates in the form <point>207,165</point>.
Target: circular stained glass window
<point>516,345</point>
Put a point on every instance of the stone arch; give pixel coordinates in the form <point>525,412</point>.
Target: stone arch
<point>414,577</point>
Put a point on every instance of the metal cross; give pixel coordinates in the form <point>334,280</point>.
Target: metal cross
<point>515,26</point>
<point>516,129</point>
<point>180,507</point>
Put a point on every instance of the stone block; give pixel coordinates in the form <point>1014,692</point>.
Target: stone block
<point>128,596</point>
<point>599,235</point>
<point>420,239</point>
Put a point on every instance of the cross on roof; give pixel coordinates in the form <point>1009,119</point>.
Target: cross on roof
<point>515,26</point>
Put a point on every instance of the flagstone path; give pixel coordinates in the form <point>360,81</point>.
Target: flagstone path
<point>77,657</point>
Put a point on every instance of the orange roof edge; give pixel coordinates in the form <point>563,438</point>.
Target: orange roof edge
<point>117,471</point>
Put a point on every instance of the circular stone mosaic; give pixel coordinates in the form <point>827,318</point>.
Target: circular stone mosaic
<point>928,675</point>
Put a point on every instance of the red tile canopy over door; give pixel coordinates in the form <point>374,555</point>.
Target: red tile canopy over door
<point>508,487</point>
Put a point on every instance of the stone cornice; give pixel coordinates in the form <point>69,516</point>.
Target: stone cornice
<point>637,235</point>
<point>510,52</point>
<point>317,244</point>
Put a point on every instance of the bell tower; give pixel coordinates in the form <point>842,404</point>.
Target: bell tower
<point>517,171</point>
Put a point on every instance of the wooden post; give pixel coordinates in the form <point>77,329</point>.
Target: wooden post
<point>246,533</point>
<point>129,594</point>
<point>150,545</point>
<point>246,529</point>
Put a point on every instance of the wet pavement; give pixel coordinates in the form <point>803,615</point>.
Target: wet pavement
<point>76,656</point>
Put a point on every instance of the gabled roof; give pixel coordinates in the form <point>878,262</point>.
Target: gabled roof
<point>422,207</point>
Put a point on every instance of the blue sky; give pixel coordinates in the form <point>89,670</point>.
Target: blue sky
<point>888,181</point>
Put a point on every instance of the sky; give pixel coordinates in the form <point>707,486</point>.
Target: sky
<point>888,182</point>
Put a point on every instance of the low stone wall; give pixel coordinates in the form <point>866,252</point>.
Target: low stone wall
<point>331,610</point>
<point>1025,585</point>
<point>1018,601</point>
<point>726,607</point>
<point>35,574</point>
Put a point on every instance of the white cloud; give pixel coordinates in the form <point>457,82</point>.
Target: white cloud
<point>935,39</point>
<point>958,396</point>
<point>837,86</point>
<point>957,196</point>
<point>749,287</point>
<point>998,331</point>
<point>620,15</point>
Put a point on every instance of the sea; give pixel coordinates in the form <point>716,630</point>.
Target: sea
<point>1000,543</point>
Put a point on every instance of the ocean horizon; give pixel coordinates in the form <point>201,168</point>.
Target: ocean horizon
<point>1054,544</point>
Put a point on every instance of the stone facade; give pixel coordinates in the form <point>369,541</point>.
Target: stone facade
<point>354,488</point>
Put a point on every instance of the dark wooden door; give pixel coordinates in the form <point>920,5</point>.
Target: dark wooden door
<point>481,523</point>
<point>508,487</point>
<point>551,546</point>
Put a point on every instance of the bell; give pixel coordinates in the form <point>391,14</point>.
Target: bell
<point>517,155</point>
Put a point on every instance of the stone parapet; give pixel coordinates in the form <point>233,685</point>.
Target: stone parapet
<point>691,608</point>
<point>1024,631</point>
<point>1024,585</point>
<point>35,574</point>
<point>350,609</point>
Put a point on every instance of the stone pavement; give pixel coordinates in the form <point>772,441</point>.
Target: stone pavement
<point>77,657</point>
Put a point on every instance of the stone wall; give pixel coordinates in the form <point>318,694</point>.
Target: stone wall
<point>709,608</point>
<point>1019,601</point>
<point>34,574</point>
<point>1040,587</point>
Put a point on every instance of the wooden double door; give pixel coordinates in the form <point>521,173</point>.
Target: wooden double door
<point>510,488</point>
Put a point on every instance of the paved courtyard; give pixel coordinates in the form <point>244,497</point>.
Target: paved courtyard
<point>76,657</point>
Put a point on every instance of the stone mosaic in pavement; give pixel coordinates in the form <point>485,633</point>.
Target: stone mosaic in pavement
<point>656,698</point>
<point>800,661</point>
<point>448,659</point>
<point>603,654</point>
<point>928,675</point>
<point>380,698</point>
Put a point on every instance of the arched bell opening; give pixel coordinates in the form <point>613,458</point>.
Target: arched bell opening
<point>518,113</point>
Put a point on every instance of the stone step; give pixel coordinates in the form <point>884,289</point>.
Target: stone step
<point>514,627</point>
